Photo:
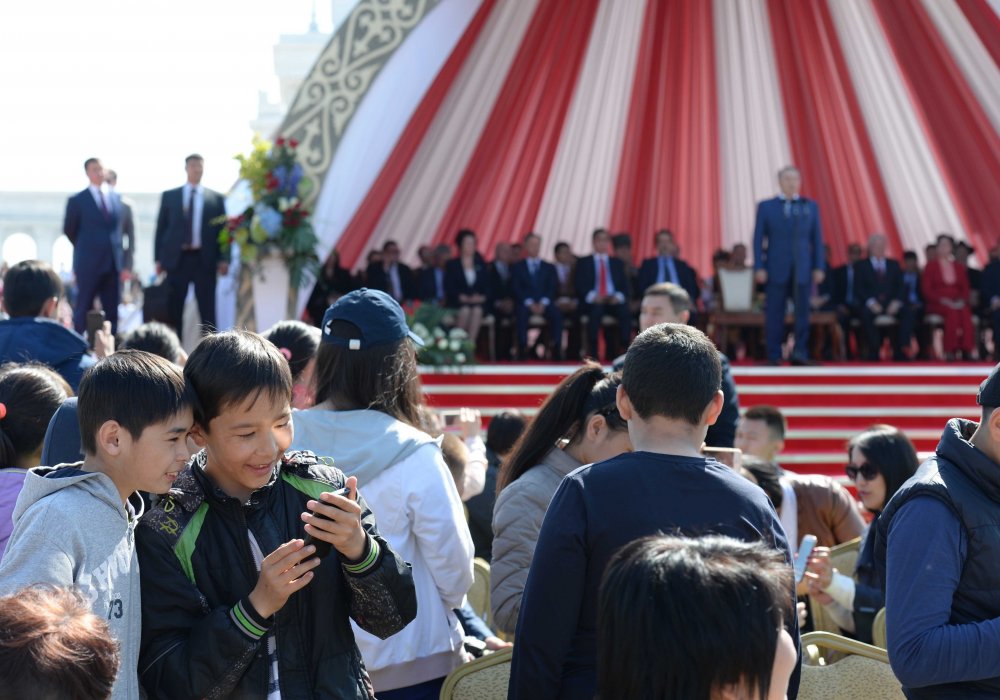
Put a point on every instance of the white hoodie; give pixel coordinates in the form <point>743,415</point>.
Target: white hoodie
<point>71,530</point>
<point>408,487</point>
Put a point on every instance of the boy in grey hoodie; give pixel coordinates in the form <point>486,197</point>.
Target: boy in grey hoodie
<point>74,524</point>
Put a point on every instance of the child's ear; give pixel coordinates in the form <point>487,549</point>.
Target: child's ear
<point>624,404</point>
<point>714,409</point>
<point>198,435</point>
<point>110,436</point>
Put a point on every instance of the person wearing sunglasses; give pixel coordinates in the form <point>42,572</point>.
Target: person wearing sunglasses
<point>881,459</point>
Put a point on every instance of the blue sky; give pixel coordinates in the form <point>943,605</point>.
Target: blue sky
<point>138,84</point>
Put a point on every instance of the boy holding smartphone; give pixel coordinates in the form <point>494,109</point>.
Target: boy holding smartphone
<point>235,603</point>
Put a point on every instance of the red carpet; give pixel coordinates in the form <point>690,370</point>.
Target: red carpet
<point>825,406</point>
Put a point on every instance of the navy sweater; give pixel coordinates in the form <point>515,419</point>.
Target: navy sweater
<point>597,510</point>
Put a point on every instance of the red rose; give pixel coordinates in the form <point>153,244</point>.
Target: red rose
<point>280,141</point>
<point>293,143</point>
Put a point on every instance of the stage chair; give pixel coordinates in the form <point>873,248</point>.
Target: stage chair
<point>844,558</point>
<point>736,287</point>
<point>489,326</point>
<point>878,630</point>
<point>485,678</point>
<point>863,673</point>
<point>479,593</point>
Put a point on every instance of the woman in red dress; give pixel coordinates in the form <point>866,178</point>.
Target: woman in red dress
<point>946,291</point>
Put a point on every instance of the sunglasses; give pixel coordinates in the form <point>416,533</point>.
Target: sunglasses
<point>866,470</point>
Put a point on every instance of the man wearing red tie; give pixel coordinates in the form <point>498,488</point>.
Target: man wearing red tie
<point>603,289</point>
<point>93,225</point>
<point>187,244</point>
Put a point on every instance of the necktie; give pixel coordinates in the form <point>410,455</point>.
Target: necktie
<point>602,282</point>
<point>662,276</point>
<point>189,220</point>
<point>880,268</point>
<point>104,204</point>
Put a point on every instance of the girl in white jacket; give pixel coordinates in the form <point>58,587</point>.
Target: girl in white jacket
<point>368,395</point>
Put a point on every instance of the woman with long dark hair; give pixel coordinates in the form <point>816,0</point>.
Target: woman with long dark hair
<point>578,424</point>
<point>29,395</point>
<point>368,408</point>
<point>881,459</point>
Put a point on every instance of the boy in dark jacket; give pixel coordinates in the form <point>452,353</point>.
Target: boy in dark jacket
<point>235,603</point>
<point>669,395</point>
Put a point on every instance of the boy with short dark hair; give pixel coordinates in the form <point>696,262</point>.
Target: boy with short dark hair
<point>31,294</point>
<point>669,396</point>
<point>236,603</point>
<point>74,524</point>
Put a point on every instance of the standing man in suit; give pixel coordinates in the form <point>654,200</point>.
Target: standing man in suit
<point>128,223</point>
<point>535,284</point>
<point>93,224</point>
<point>391,276</point>
<point>879,284</point>
<point>602,287</point>
<point>667,267</point>
<point>788,259</point>
<point>187,244</point>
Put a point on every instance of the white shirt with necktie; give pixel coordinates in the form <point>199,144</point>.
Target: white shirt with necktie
<point>196,192</point>
<point>102,198</point>
<point>592,294</point>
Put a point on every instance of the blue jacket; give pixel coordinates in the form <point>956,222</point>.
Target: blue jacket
<point>544,284</point>
<point>31,339</point>
<point>96,238</point>
<point>783,243</point>
<point>596,510</point>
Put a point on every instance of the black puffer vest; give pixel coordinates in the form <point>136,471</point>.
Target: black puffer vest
<point>968,482</point>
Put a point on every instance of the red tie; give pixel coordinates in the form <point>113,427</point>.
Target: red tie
<point>602,281</point>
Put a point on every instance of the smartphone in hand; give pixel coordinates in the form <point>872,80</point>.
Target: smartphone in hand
<point>802,558</point>
<point>95,322</point>
<point>322,546</point>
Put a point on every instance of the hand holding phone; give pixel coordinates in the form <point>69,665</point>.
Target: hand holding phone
<point>322,546</point>
<point>802,558</point>
<point>95,322</point>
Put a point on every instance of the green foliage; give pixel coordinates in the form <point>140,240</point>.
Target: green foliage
<point>444,345</point>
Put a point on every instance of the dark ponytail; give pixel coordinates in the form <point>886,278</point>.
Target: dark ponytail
<point>30,395</point>
<point>562,416</point>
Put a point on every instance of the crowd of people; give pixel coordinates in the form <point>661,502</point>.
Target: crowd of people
<point>886,307</point>
<point>282,515</point>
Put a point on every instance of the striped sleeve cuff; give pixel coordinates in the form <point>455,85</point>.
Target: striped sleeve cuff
<point>367,562</point>
<point>248,621</point>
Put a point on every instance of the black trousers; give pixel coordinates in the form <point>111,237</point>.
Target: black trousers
<point>595,313</point>
<point>90,286</point>
<point>191,268</point>
<point>906,317</point>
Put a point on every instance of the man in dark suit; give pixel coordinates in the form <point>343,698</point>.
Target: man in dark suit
<point>667,267</point>
<point>912,297</point>
<point>990,294</point>
<point>501,279</point>
<point>391,276</point>
<point>93,224</point>
<point>879,286</point>
<point>535,284</point>
<point>844,297</point>
<point>602,287</point>
<point>187,244</point>
<point>788,259</point>
<point>430,282</point>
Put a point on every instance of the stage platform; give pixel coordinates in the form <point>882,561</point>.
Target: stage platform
<point>825,406</point>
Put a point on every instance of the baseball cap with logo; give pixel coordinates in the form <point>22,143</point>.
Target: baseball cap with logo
<point>378,317</point>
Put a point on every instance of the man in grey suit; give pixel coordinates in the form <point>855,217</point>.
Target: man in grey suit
<point>93,224</point>
<point>187,244</point>
<point>128,222</point>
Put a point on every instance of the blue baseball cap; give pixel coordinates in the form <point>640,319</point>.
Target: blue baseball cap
<point>377,315</point>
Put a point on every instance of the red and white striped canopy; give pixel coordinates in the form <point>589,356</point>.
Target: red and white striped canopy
<point>558,116</point>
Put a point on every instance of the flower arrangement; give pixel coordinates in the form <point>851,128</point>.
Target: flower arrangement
<point>442,347</point>
<point>276,221</point>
